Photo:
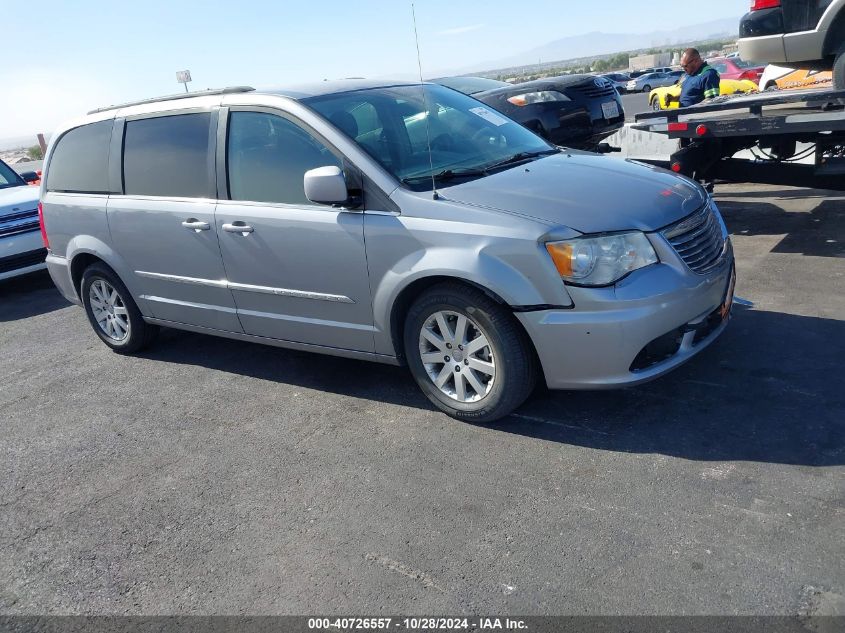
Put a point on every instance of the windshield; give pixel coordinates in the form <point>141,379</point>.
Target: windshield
<point>8,177</point>
<point>394,125</point>
<point>471,85</point>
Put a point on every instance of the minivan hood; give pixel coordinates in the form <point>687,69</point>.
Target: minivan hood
<point>17,199</point>
<point>587,192</point>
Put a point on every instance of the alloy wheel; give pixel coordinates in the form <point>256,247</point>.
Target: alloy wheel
<point>109,310</point>
<point>457,356</point>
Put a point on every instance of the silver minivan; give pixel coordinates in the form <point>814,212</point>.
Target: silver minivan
<point>402,223</point>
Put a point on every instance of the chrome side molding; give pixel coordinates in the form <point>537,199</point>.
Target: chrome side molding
<point>223,283</point>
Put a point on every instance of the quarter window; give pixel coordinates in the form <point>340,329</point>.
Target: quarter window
<point>80,161</point>
<point>168,156</point>
<point>267,157</point>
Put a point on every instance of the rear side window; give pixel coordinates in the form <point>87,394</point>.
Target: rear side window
<point>168,156</point>
<point>80,161</point>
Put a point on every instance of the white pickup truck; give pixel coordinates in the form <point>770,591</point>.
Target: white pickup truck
<point>807,33</point>
<point>21,247</point>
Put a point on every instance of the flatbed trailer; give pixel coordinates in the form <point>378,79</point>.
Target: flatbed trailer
<point>780,129</point>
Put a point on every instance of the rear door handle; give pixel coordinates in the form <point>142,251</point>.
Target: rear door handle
<point>238,227</point>
<point>196,225</point>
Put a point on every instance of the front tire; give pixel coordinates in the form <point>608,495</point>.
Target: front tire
<point>647,88</point>
<point>655,104</point>
<point>112,312</point>
<point>468,354</point>
<point>839,71</point>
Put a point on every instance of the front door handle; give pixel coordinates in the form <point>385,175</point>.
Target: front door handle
<point>196,225</point>
<point>238,227</point>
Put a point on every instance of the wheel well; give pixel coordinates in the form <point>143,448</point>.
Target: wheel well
<point>415,289</point>
<point>833,42</point>
<point>78,265</point>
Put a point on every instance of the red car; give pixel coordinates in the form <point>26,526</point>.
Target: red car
<point>736,68</point>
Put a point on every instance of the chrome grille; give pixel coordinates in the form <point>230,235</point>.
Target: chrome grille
<point>21,222</point>
<point>22,260</point>
<point>698,240</point>
<point>591,90</point>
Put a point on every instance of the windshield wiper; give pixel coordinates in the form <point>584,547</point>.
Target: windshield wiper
<point>520,157</point>
<point>446,174</point>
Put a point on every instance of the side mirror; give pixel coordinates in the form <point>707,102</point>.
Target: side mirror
<point>606,148</point>
<point>29,176</point>
<point>326,185</point>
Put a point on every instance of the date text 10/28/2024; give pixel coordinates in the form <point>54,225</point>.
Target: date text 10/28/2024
<point>416,624</point>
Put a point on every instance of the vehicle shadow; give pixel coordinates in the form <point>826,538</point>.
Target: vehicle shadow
<point>818,232</point>
<point>29,295</point>
<point>793,193</point>
<point>768,391</point>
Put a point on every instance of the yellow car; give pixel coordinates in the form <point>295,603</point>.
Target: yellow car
<point>657,97</point>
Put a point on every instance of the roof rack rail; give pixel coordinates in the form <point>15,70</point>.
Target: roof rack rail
<point>180,95</point>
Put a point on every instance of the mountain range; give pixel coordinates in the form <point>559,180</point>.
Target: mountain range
<point>601,43</point>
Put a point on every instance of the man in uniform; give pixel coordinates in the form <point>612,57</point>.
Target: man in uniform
<point>701,82</point>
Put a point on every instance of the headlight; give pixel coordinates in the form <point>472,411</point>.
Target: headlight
<point>538,97</point>
<point>602,260</point>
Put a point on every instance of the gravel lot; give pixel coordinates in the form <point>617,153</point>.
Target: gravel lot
<point>211,476</point>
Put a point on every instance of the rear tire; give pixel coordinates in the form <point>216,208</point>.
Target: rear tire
<point>112,312</point>
<point>481,367</point>
<point>839,71</point>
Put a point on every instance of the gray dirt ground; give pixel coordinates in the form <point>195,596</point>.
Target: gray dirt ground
<point>210,476</point>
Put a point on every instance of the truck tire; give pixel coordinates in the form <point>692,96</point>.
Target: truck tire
<point>839,71</point>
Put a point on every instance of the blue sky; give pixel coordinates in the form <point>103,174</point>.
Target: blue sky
<point>73,56</point>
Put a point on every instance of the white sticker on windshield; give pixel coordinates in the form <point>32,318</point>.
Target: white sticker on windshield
<point>487,115</point>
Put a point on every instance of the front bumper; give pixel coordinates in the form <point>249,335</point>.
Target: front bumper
<point>608,339</point>
<point>21,254</point>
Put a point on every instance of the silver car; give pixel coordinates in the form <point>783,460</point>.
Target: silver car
<point>619,81</point>
<point>649,81</point>
<point>399,223</point>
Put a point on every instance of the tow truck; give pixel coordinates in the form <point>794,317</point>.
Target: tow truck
<point>781,129</point>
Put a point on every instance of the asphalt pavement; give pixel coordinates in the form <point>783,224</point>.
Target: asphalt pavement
<point>210,476</point>
<point>634,103</point>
